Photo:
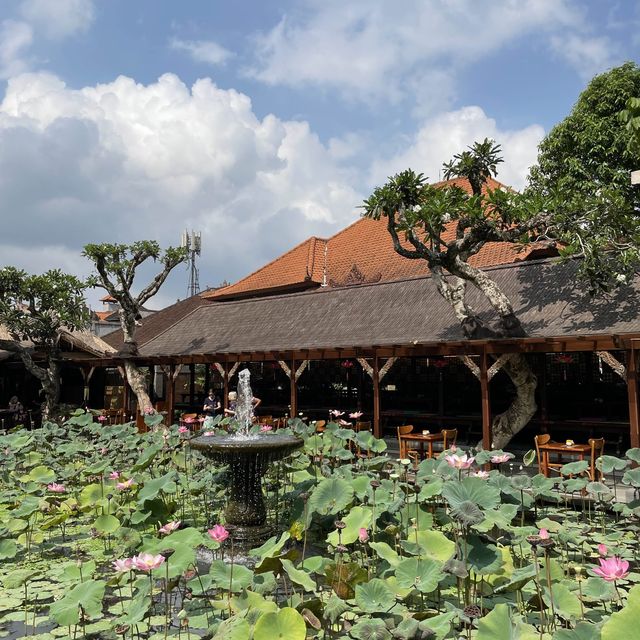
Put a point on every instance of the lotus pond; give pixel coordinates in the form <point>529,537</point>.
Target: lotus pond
<point>104,532</point>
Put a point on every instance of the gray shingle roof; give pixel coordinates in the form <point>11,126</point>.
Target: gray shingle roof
<point>547,297</point>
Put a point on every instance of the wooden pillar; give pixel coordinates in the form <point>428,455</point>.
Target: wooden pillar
<point>486,409</point>
<point>377,427</point>
<point>294,389</point>
<point>125,398</point>
<point>225,391</point>
<point>192,386</point>
<point>171,393</point>
<point>632,390</point>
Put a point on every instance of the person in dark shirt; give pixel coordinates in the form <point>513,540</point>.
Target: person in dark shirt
<point>210,408</point>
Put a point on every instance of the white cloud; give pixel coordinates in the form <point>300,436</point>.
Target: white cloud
<point>442,136</point>
<point>124,161</point>
<point>588,55</point>
<point>15,40</point>
<point>59,18</point>
<point>206,51</point>
<point>383,50</point>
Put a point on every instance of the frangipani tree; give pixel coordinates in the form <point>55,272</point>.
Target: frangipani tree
<point>419,219</point>
<point>37,309</point>
<point>116,266</point>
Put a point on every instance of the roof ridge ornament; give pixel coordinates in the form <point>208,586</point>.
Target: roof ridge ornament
<point>355,277</point>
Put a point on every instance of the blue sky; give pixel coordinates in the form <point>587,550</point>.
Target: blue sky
<point>261,123</point>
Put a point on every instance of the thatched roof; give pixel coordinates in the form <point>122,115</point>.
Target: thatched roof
<point>547,296</point>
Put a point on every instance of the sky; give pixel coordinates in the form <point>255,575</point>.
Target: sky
<point>260,124</point>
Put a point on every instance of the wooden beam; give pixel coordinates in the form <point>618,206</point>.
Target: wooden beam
<point>171,393</point>
<point>486,408</point>
<point>294,390</point>
<point>632,390</point>
<point>377,427</point>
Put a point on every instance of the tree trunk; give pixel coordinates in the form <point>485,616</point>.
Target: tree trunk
<point>523,407</point>
<point>138,383</point>
<point>49,378</point>
<point>453,290</point>
<point>51,387</point>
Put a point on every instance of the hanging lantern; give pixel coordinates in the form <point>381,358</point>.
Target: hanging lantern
<point>439,363</point>
<point>346,364</point>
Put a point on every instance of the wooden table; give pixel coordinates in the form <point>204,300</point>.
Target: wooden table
<point>578,450</point>
<point>429,439</point>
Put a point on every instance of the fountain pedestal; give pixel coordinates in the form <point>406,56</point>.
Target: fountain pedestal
<point>248,458</point>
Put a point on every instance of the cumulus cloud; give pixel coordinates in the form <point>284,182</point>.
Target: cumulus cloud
<point>123,161</point>
<point>442,136</point>
<point>374,49</point>
<point>206,51</point>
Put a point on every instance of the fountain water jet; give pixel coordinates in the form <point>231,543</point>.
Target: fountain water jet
<point>248,457</point>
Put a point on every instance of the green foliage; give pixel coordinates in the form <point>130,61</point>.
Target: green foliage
<point>584,165</point>
<point>40,307</point>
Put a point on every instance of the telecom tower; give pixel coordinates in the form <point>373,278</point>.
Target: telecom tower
<point>193,244</point>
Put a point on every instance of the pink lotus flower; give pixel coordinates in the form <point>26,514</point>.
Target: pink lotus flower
<point>265,428</point>
<point>183,429</point>
<point>602,549</point>
<point>147,561</point>
<point>218,533</point>
<point>122,566</point>
<point>104,451</point>
<point>114,475</point>
<point>208,433</point>
<point>127,484</point>
<point>336,413</point>
<point>612,569</point>
<point>169,527</point>
<point>503,457</point>
<point>460,462</point>
<point>344,423</point>
<point>544,534</point>
<point>355,415</point>
<point>187,421</point>
<point>453,448</point>
<point>54,487</point>
<point>149,411</point>
<point>102,418</point>
<point>363,534</point>
<point>481,474</point>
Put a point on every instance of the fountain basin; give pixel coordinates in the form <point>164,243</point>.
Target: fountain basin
<point>248,458</point>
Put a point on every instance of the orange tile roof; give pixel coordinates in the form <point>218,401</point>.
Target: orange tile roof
<point>108,298</point>
<point>299,268</point>
<point>104,315</point>
<point>363,251</point>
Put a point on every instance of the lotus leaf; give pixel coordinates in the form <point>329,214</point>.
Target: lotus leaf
<point>574,468</point>
<point>370,629</point>
<point>8,549</point>
<point>152,488</point>
<point>88,595</point>
<point>499,625</point>
<point>609,464</point>
<point>287,624</point>
<point>624,624</point>
<point>473,490</point>
<point>299,576</point>
<point>106,524</point>
<point>583,631</point>
<point>331,496</point>
<point>225,575</point>
<point>423,575</point>
<point>375,596</point>
<point>233,628</point>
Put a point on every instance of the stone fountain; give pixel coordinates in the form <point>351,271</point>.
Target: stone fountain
<point>248,457</point>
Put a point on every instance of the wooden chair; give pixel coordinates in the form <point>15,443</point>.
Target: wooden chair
<point>541,439</point>
<point>191,418</point>
<point>320,425</point>
<point>450,436</point>
<point>402,444</point>
<point>362,426</point>
<point>597,447</point>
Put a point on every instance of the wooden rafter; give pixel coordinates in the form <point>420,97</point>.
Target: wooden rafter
<point>613,362</point>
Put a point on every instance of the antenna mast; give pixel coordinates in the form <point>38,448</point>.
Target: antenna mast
<point>193,243</point>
